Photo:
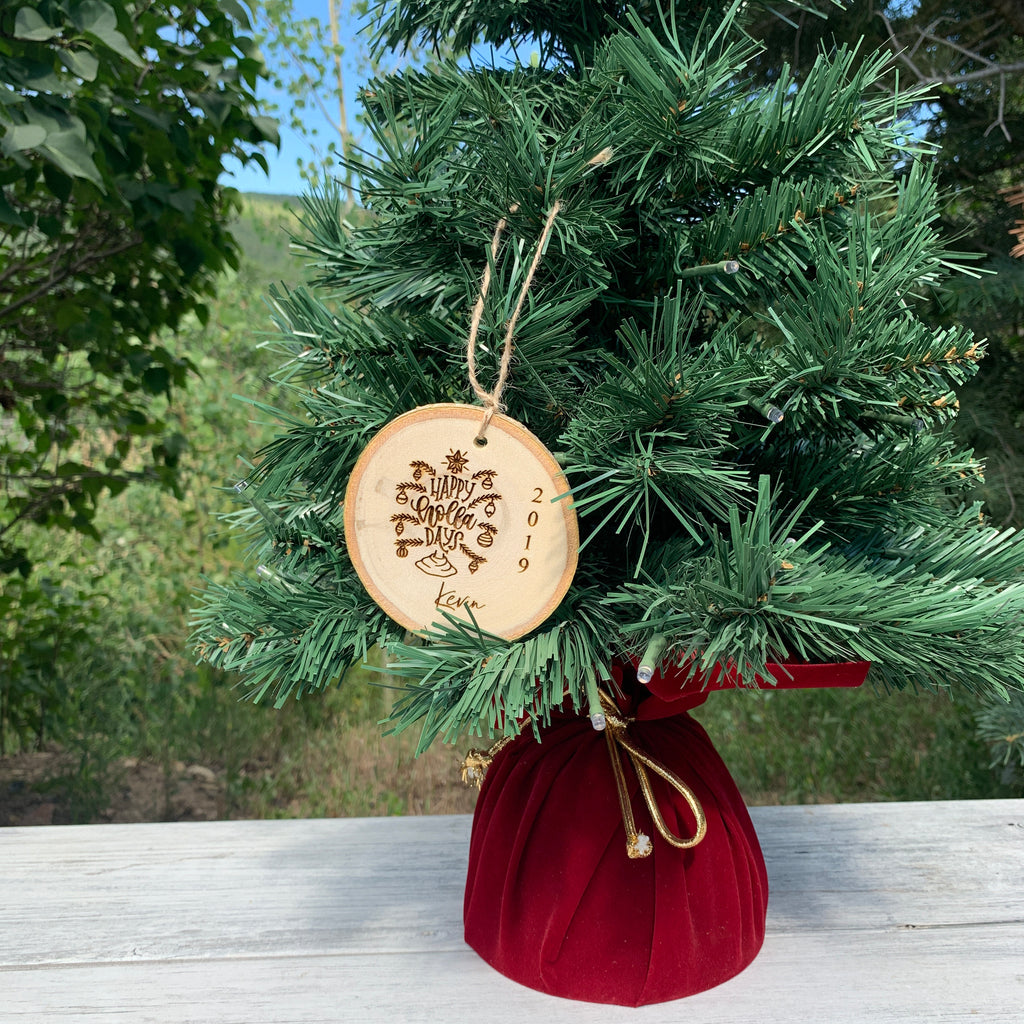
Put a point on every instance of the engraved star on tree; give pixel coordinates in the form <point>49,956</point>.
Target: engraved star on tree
<point>457,462</point>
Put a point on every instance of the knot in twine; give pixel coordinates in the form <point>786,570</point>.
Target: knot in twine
<point>492,399</point>
<point>474,769</point>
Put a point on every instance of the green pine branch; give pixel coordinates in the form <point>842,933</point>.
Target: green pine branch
<point>765,592</point>
<point>468,680</point>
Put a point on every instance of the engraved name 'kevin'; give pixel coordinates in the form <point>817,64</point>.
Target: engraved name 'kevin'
<point>449,599</point>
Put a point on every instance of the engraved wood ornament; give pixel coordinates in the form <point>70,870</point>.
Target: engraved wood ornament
<point>437,522</point>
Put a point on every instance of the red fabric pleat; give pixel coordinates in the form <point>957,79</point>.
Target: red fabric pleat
<point>554,902</point>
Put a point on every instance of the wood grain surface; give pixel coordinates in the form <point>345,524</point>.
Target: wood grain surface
<point>878,913</point>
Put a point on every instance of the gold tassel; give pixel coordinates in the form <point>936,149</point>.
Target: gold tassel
<point>474,767</point>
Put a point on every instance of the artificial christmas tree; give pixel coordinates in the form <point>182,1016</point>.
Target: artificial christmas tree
<point>618,397</point>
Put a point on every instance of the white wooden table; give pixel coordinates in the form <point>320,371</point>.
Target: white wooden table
<point>878,913</point>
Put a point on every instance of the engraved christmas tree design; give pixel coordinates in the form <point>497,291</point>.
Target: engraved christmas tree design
<point>446,512</point>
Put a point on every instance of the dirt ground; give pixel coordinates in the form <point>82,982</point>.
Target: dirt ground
<point>31,793</point>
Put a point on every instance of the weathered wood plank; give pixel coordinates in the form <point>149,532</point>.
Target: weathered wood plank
<point>209,889</point>
<point>942,976</point>
<point>880,913</point>
<point>379,885</point>
<point>870,865</point>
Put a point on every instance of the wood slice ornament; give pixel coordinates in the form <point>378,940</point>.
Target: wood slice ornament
<point>439,520</point>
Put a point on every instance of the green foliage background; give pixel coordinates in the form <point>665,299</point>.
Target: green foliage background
<point>115,125</point>
<point>91,647</point>
<point>92,658</point>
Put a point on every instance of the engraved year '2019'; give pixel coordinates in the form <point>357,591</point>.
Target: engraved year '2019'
<point>531,521</point>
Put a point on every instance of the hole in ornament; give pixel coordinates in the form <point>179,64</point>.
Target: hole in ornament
<point>480,442</point>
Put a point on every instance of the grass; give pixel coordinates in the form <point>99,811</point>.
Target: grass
<point>346,767</point>
<point>824,746</point>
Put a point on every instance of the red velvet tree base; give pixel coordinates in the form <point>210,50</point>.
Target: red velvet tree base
<point>554,902</point>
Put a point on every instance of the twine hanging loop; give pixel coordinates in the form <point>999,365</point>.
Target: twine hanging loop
<point>492,399</point>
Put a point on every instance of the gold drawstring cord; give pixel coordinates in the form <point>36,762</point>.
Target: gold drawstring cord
<point>638,844</point>
<point>476,763</point>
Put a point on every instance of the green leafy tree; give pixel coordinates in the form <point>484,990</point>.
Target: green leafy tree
<point>308,59</point>
<point>115,124</point>
<point>307,67</point>
<point>719,345</point>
